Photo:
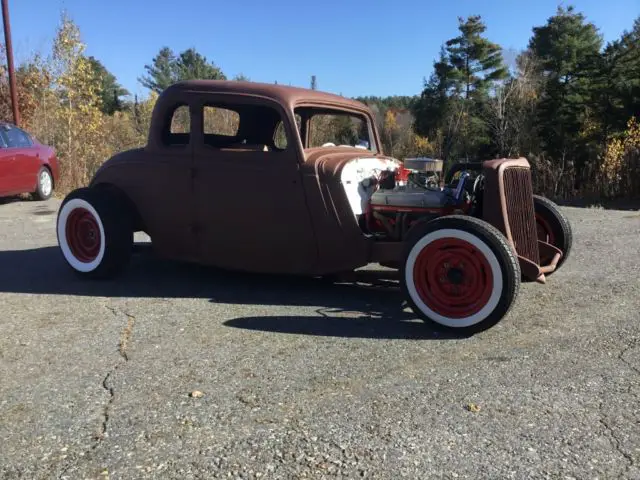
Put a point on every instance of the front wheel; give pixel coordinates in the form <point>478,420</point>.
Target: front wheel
<point>553,227</point>
<point>460,273</point>
<point>95,232</point>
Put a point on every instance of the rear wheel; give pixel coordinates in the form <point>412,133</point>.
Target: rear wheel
<point>460,273</point>
<point>95,232</point>
<point>553,228</point>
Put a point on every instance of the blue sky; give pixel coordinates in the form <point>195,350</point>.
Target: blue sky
<point>354,47</point>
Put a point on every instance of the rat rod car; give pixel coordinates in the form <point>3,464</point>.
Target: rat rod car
<point>284,180</point>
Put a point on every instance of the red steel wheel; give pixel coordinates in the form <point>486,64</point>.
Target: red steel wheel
<point>459,272</point>
<point>545,232</point>
<point>453,277</point>
<point>83,235</point>
<point>554,228</point>
<point>95,231</point>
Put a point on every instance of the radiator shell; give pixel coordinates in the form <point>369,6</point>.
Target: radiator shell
<point>508,205</point>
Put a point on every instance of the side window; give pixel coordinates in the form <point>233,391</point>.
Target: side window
<point>16,138</point>
<point>280,136</point>
<point>220,121</point>
<point>243,127</point>
<point>180,120</point>
<point>177,127</point>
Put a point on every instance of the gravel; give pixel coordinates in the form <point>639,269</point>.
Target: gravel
<point>303,379</point>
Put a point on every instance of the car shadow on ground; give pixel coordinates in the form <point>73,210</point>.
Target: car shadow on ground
<point>368,305</point>
<point>13,199</point>
<point>374,327</point>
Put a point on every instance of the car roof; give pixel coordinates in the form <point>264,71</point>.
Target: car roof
<point>283,94</point>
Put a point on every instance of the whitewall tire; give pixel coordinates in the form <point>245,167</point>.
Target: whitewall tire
<point>459,273</point>
<point>81,235</point>
<point>95,233</point>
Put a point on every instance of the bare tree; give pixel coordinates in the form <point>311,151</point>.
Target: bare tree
<point>512,102</point>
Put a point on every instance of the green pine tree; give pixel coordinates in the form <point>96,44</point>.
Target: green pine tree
<point>476,62</point>
<point>111,91</point>
<point>453,101</point>
<point>568,49</point>
<point>167,68</point>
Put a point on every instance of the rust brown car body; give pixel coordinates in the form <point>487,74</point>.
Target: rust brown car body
<point>310,230</point>
<point>243,203</point>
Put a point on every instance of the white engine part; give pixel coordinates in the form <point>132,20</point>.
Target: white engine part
<point>355,177</point>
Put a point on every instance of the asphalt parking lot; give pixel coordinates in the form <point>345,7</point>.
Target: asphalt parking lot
<point>304,379</point>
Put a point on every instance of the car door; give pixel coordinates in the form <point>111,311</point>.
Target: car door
<point>26,160</point>
<point>250,203</point>
<point>160,184</point>
<point>7,168</point>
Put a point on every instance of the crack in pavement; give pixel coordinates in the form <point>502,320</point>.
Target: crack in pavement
<point>125,336</point>
<point>633,344</point>
<point>616,442</point>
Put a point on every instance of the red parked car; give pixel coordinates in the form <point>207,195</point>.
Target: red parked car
<point>26,165</point>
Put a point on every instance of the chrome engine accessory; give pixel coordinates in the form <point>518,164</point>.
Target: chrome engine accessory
<point>423,164</point>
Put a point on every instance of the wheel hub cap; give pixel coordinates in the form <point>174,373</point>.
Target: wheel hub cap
<point>83,235</point>
<point>45,183</point>
<point>453,278</point>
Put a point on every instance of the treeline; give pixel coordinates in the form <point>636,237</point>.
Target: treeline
<point>394,102</point>
<point>568,102</point>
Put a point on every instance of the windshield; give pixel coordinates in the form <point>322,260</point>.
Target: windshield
<point>328,128</point>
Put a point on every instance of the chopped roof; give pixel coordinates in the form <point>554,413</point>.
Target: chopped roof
<point>281,93</point>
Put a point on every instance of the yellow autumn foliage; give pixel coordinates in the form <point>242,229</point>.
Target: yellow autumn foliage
<point>619,169</point>
<point>390,122</point>
<point>421,146</point>
<point>400,141</point>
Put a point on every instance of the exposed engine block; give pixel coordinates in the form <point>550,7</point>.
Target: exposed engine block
<point>411,196</point>
<point>404,196</point>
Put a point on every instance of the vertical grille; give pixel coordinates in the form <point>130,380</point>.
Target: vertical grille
<point>518,192</point>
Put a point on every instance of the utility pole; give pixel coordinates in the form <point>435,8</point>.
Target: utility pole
<point>12,73</point>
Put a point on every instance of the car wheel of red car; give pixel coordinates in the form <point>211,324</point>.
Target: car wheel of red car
<point>44,186</point>
<point>553,227</point>
<point>95,232</point>
<point>459,273</point>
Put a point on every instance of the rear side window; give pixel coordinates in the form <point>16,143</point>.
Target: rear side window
<point>177,129</point>
<point>181,121</point>
<point>15,138</point>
